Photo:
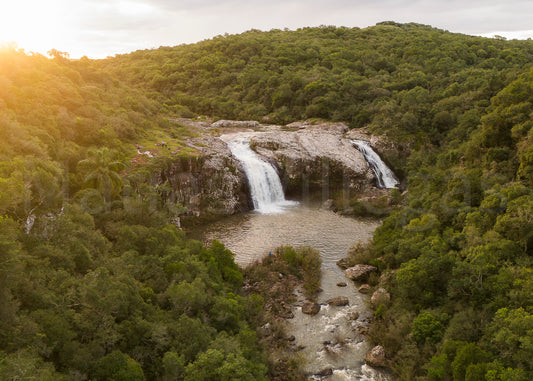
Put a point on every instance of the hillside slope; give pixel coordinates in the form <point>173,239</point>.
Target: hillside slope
<point>95,282</point>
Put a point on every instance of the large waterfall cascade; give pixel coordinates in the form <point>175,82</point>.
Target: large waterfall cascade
<point>265,185</point>
<point>384,175</point>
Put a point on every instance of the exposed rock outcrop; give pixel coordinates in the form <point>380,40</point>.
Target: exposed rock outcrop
<point>360,273</point>
<point>237,123</point>
<point>325,372</point>
<point>315,158</point>
<point>310,158</point>
<point>212,183</point>
<point>380,296</point>
<point>377,357</point>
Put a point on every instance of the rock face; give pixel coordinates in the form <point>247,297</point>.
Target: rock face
<point>237,123</point>
<point>376,357</point>
<point>212,183</point>
<point>339,301</point>
<point>360,273</point>
<point>380,296</point>
<point>310,308</point>
<point>310,159</point>
<point>315,158</point>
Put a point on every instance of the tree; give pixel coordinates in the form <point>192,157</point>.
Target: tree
<point>118,366</point>
<point>101,171</point>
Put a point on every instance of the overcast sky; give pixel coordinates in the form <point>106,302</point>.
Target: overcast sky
<point>100,28</point>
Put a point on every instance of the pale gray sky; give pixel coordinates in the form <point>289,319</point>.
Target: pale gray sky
<point>98,28</point>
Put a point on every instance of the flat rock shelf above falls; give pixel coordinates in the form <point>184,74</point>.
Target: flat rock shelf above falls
<point>315,159</point>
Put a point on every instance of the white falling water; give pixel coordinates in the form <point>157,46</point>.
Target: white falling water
<point>265,185</point>
<point>384,176</point>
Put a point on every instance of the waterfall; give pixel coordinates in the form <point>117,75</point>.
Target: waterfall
<point>384,176</point>
<point>265,185</point>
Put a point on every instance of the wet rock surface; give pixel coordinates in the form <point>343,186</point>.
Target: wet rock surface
<point>339,301</point>
<point>310,158</point>
<point>310,308</point>
<point>360,273</point>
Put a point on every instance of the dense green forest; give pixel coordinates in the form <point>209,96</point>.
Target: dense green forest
<point>95,283</point>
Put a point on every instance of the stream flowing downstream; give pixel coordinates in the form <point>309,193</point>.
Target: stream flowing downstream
<point>330,340</point>
<point>253,235</point>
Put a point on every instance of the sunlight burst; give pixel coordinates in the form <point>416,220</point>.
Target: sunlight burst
<point>33,25</point>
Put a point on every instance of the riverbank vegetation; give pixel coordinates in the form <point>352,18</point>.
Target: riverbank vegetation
<point>276,278</point>
<point>95,281</point>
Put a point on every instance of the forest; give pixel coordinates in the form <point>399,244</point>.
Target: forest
<point>96,283</point>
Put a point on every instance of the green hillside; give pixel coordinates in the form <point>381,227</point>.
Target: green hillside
<point>94,282</point>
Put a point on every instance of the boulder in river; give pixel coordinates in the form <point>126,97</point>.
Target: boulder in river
<point>343,263</point>
<point>380,296</point>
<point>310,308</point>
<point>341,284</point>
<point>364,289</point>
<point>353,315</point>
<point>376,357</point>
<point>339,301</point>
<point>360,273</point>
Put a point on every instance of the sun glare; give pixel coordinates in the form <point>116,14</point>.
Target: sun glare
<point>33,25</point>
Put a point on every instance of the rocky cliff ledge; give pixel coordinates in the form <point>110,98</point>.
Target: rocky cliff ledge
<point>312,160</point>
<point>315,158</point>
<point>208,185</point>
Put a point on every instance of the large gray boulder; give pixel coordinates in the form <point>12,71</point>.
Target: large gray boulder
<point>360,273</point>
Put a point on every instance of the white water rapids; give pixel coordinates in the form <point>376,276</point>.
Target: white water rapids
<point>384,176</point>
<point>265,185</point>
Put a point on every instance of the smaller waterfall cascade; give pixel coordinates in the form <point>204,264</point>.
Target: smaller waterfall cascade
<point>385,177</point>
<point>265,185</point>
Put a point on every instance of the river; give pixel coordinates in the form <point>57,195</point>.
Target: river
<point>330,338</point>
